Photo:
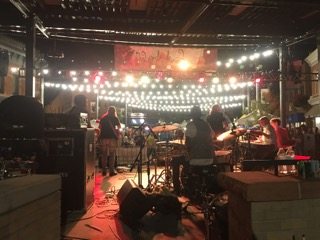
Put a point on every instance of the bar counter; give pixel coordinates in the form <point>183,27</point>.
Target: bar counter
<point>30,207</point>
<point>268,207</point>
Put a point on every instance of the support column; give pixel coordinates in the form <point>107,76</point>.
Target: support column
<point>30,55</point>
<point>283,58</point>
<point>248,99</point>
<point>318,49</point>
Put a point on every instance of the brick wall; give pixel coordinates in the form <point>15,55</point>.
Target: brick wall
<point>274,220</point>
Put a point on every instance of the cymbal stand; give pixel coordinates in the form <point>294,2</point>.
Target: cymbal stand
<point>248,153</point>
<point>165,174</point>
<point>138,159</point>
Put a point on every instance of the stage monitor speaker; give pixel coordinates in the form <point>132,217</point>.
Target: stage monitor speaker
<point>132,201</point>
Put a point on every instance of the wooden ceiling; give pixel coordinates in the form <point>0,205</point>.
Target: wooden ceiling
<point>190,23</point>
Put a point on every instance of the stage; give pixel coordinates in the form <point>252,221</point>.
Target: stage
<point>102,220</point>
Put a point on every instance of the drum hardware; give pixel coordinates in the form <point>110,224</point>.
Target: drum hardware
<point>165,175</point>
<point>138,159</point>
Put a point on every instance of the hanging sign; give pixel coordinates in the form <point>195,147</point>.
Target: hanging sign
<point>142,58</point>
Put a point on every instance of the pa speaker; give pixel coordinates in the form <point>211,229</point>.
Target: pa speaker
<point>132,201</point>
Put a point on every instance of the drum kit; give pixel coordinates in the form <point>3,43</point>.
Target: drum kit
<point>165,150</point>
<point>169,149</point>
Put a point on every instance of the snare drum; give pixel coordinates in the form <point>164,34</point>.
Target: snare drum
<point>178,149</point>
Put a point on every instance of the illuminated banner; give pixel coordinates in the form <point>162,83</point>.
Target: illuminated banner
<point>141,58</point>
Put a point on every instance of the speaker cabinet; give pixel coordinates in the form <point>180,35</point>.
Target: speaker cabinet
<point>70,153</point>
<point>133,202</point>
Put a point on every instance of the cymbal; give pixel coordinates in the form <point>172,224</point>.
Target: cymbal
<point>231,134</point>
<point>226,136</point>
<point>164,128</point>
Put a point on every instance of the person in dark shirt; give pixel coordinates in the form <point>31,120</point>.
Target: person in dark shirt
<point>79,107</point>
<point>200,154</point>
<point>109,126</point>
<point>217,120</point>
<point>199,142</point>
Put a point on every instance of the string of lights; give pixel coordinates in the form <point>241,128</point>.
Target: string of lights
<point>160,90</point>
<point>163,97</point>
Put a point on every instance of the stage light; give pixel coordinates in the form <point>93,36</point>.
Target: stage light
<point>219,63</point>
<point>267,53</point>
<point>45,71</point>
<point>86,73</point>
<point>114,73</point>
<point>244,58</point>
<point>232,80</point>
<point>256,55</point>
<point>129,79</point>
<point>228,64</point>
<point>183,65</point>
<point>215,80</point>
<point>201,80</point>
<point>169,79</point>
<point>257,80</point>
<point>97,79</point>
<point>145,79</point>
<point>14,70</point>
<point>73,73</point>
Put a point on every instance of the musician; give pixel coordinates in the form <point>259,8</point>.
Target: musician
<point>199,139</point>
<point>200,149</point>
<point>282,135</point>
<point>109,134</point>
<point>268,137</point>
<point>217,120</point>
<point>79,106</point>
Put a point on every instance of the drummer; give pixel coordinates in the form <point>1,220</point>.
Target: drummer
<point>199,139</point>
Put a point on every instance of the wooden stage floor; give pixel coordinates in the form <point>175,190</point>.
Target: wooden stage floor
<point>102,220</point>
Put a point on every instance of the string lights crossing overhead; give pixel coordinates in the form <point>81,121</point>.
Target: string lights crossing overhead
<point>161,90</point>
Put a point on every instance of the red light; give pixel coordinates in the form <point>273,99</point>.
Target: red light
<point>258,80</point>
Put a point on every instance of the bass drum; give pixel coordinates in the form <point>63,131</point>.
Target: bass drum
<point>198,180</point>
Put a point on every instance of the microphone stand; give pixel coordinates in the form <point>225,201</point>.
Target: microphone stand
<point>148,160</point>
<point>139,158</point>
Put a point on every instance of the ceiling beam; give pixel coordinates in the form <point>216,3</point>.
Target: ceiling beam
<point>26,12</point>
<point>191,20</point>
